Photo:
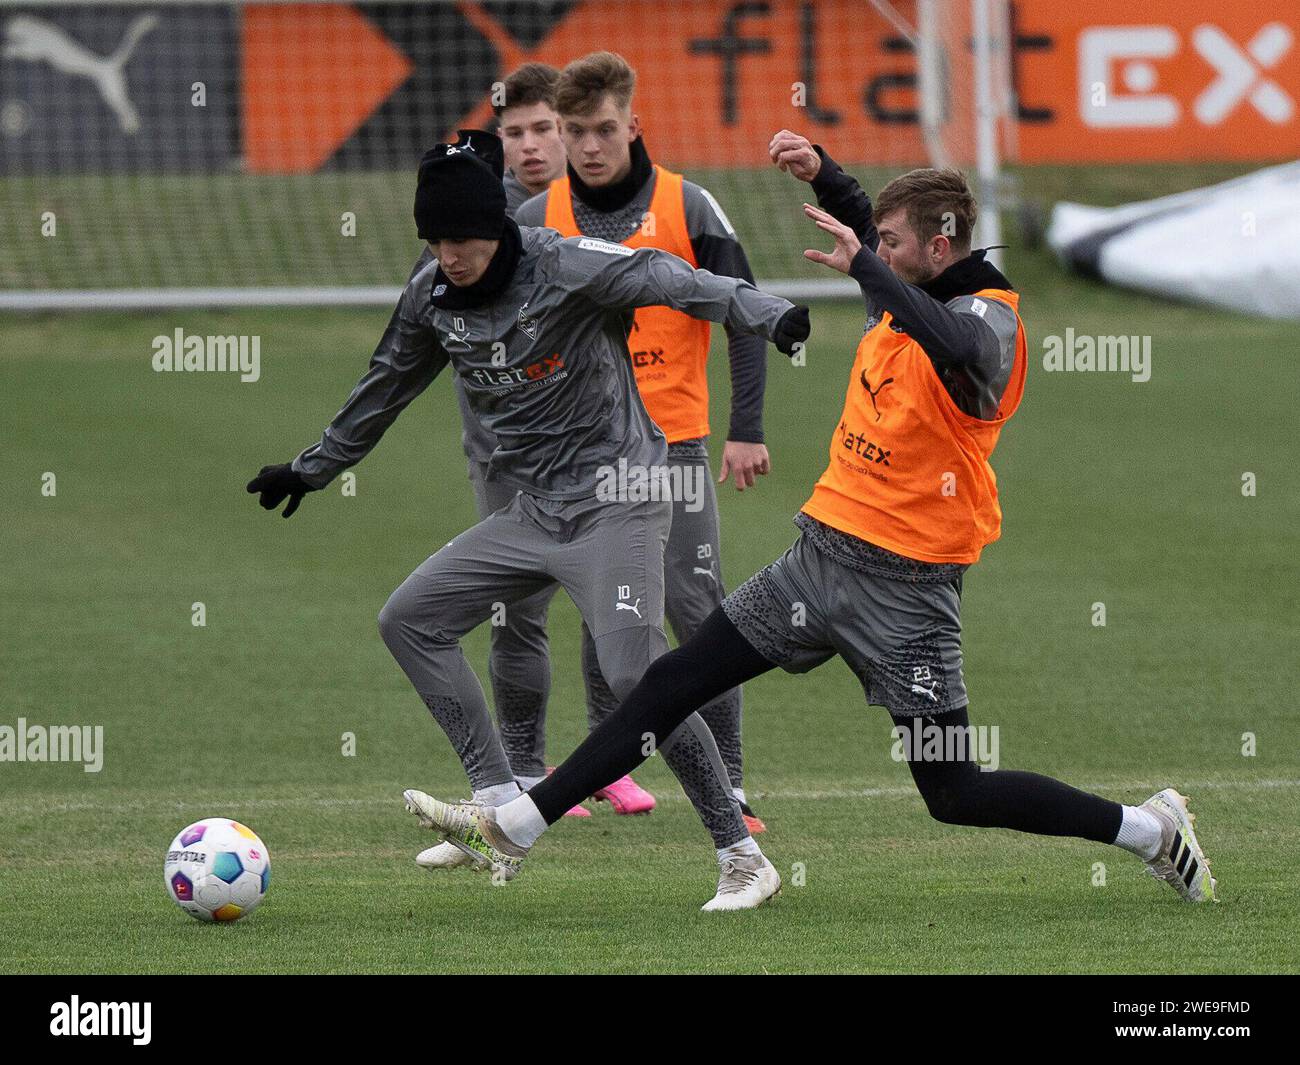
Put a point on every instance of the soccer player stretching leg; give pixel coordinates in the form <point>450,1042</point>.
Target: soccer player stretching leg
<point>882,548</point>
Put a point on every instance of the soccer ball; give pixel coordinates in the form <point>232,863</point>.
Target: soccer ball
<point>217,870</point>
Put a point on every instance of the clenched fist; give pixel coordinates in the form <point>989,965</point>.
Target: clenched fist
<point>795,155</point>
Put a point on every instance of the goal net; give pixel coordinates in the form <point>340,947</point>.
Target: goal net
<point>183,152</point>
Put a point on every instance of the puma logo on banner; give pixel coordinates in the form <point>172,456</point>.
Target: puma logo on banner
<point>36,40</point>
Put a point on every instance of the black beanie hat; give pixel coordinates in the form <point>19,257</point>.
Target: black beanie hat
<point>459,192</point>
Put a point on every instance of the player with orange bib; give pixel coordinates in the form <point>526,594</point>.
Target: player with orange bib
<point>907,502</point>
<point>612,190</point>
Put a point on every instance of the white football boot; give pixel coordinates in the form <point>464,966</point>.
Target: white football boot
<point>743,883</point>
<point>1180,862</point>
<point>470,828</point>
<point>444,856</point>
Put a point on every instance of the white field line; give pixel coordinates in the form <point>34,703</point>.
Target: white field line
<point>306,801</point>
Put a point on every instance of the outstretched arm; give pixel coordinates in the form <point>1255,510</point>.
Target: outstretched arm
<point>838,193</point>
<point>974,337</point>
<point>407,358</point>
<point>615,276</point>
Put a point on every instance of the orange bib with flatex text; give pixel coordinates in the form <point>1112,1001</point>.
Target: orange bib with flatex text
<point>669,349</point>
<point>909,470</point>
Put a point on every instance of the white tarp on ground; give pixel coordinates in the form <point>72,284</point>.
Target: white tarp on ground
<point>1234,245</point>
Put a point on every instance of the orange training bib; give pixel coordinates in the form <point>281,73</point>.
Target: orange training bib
<point>909,471</point>
<point>669,349</point>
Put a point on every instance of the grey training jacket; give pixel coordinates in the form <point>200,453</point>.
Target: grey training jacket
<point>544,363</point>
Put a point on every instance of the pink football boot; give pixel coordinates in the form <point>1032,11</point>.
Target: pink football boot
<point>627,797</point>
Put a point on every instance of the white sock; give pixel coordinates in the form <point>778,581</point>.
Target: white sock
<point>521,821</point>
<point>1139,833</point>
<point>497,794</point>
<point>528,782</point>
<point>739,793</point>
<point>746,848</point>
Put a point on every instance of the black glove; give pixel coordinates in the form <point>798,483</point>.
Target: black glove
<point>792,329</point>
<point>276,483</point>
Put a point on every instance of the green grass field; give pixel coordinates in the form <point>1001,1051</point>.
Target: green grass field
<point>1114,492</point>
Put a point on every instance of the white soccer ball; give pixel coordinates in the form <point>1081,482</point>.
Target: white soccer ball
<point>217,870</point>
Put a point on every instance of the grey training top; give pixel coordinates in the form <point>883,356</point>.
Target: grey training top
<point>516,193</point>
<point>544,362</point>
<point>477,441</point>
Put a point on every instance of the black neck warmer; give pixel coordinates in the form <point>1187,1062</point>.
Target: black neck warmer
<point>964,277</point>
<point>499,271</point>
<point>620,193</point>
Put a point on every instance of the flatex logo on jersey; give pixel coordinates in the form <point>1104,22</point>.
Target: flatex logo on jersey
<point>1118,76</point>
<point>543,372</point>
<point>499,378</point>
<point>647,358</point>
<point>862,454</point>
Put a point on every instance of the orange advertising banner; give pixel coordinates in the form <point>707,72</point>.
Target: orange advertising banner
<point>1109,80</point>
<point>715,79</point>
<point>1095,80</point>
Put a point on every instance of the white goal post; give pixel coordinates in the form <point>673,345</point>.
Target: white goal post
<point>161,153</point>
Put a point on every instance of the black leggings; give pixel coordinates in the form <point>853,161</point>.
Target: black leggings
<point>718,658</point>
<point>958,792</point>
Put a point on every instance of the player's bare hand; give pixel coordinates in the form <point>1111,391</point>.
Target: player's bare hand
<point>745,463</point>
<point>847,244</point>
<point>795,155</point>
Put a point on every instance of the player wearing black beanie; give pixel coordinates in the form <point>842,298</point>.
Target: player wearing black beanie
<point>459,194</point>
<point>460,210</point>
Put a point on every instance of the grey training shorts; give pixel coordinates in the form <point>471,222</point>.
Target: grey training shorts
<point>901,639</point>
